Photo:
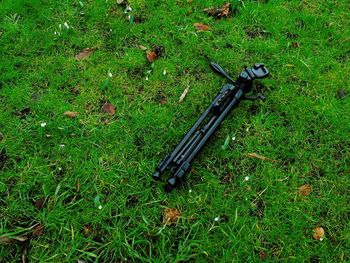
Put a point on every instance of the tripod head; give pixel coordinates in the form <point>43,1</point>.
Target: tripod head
<point>246,77</point>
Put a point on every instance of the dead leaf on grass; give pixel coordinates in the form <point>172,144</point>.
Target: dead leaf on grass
<point>151,56</point>
<point>218,12</point>
<point>109,108</point>
<point>39,204</point>
<point>156,52</point>
<point>85,53</point>
<point>305,189</point>
<point>318,233</point>
<point>71,114</point>
<point>171,216</point>
<point>38,230</point>
<point>201,27</point>
<point>263,255</point>
<point>121,2</point>
<point>255,155</point>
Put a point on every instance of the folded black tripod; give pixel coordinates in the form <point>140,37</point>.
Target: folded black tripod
<point>179,161</point>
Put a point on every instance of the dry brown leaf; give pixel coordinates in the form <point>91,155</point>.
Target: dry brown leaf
<point>218,12</point>
<point>120,2</point>
<point>85,53</point>
<point>318,233</point>
<point>201,27</point>
<point>255,155</point>
<point>38,230</point>
<point>10,240</point>
<point>162,101</point>
<point>305,189</point>
<point>151,56</point>
<point>171,215</point>
<point>263,255</point>
<point>109,108</point>
<point>71,114</point>
<point>39,204</point>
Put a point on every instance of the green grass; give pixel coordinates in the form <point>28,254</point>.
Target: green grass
<point>304,124</point>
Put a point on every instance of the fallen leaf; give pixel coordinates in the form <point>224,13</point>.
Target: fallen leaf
<point>85,53</point>
<point>201,27</point>
<point>305,189</point>
<point>183,95</point>
<point>263,255</point>
<point>255,155</point>
<point>10,240</point>
<point>318,233</point>
<point>71,114</point>
<point>39,204</point>
<point>151,56</point>
<point>38,230</point>
<point>120,2</point>
<point>218,12</point>
<point>109,108</point>
<point>171,216</point>
<point>156,52</point>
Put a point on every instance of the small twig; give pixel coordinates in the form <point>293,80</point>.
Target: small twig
<point>255,155</point>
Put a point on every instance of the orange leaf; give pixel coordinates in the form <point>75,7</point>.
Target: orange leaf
<point>318,233</point>
<point>171,215</point>
<point>201,27</point>
<point>151,56</point>
<point>109,108</point>
<point>305,189</point>
<point>71,114</point>
<point>85,53</point>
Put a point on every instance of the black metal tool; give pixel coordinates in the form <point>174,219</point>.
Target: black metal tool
<point>179,161</point>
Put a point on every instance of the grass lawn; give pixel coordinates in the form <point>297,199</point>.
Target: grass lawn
<point>79,188</point>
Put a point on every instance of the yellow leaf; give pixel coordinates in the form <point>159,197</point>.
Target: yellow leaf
<point>171,215</point>
<point>305,189</point>
<point>318,233</point>
<point>71,114</point>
